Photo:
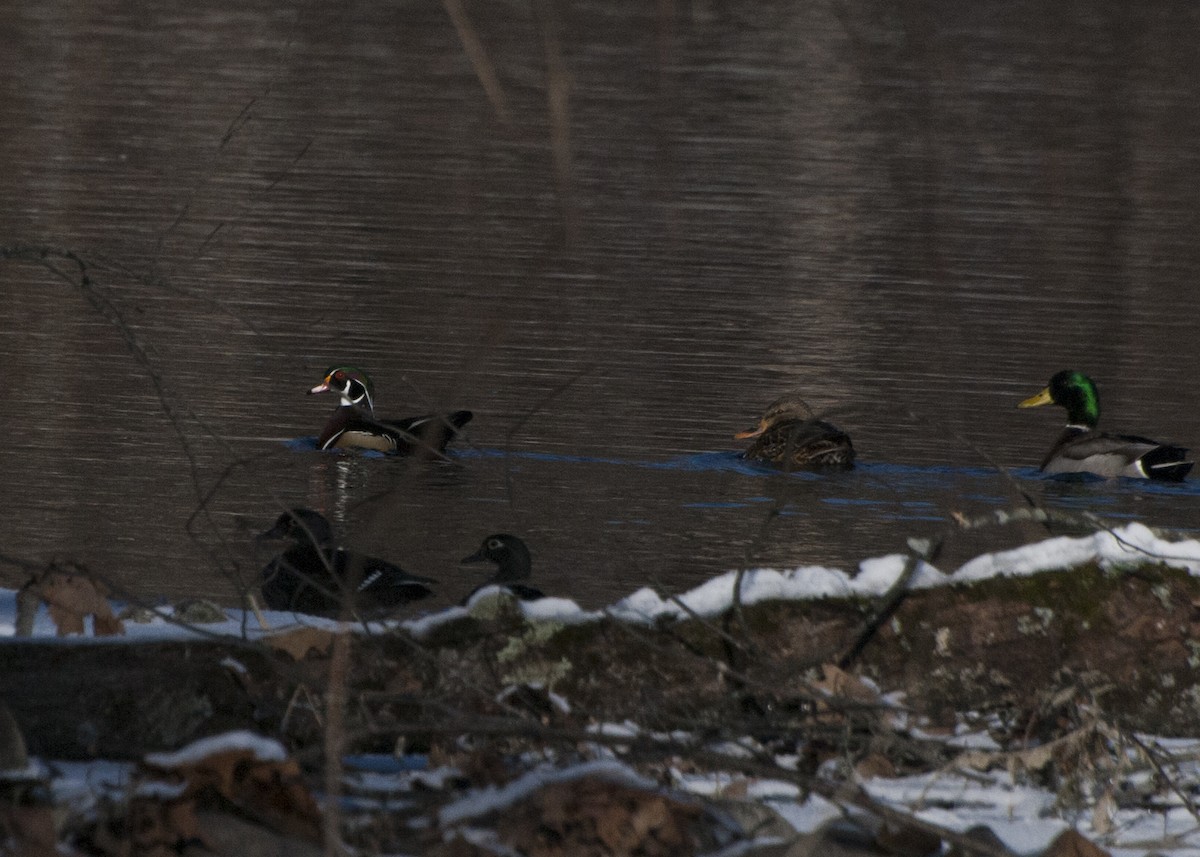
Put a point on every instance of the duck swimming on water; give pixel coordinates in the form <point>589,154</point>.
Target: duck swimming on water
<point>513,565</point>
<point>1082,448</point>
<point>353,424</point>
<point>315,576</point>
<point>790,437</point>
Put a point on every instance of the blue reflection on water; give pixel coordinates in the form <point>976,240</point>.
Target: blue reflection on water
<point>890,492</point>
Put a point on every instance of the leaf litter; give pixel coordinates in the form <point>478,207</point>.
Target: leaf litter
<point>832,754</point>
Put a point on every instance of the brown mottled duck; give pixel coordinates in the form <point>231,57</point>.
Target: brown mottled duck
<point>790,437</point>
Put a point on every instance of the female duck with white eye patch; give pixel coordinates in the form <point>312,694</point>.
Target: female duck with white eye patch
<point>513,564</point>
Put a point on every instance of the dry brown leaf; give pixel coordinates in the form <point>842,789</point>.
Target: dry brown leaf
<point>983,836</point>
<point>71,594</point>
<point>1034,758</point>
<point>649,817</point>
<point>594,817</point>
<point>840,684</point>
<point>1104,812</point>
<point>13,755</point>
<point>907,841</point>
<point>1071,843</point>
<point>298,642</point>
<point>612,827</point>
<point>842,687</point>
<point>273,792</point>
<point>875,765</point>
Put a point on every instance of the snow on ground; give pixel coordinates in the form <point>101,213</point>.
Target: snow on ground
<point>262,749</point>
<point>1025,818</point>
<point>1124,546</point>
<point>483,801</point>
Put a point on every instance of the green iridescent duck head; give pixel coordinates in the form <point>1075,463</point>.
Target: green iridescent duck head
<point>1071,390</point>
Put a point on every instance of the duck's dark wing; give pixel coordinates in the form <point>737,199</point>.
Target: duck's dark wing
<point>376,584</point>
<point>803,443</point>
<point>1112,455</point>
<point>299,580</point>
<point>428,433</point>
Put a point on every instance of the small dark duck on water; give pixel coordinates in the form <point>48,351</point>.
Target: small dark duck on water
<point>513,565</point>
<point>353,425</point>
<point>315,576</point>
<point>1081,448</point>
<point>790,437</point>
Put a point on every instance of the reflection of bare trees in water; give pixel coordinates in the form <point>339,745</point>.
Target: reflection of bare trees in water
<point>80,273</point>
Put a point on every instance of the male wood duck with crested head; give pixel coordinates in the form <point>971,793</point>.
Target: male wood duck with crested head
<point>1081,448</point>
<point>790,437</point>
<point>353,424</point>
<point>513,564</point>
<point>313,575</point>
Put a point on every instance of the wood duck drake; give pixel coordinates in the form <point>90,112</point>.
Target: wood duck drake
<point>790,437</point>
<point>315,576</point>
<point>353,425</point>
<point>513,565</point>
<point>1081,448</point>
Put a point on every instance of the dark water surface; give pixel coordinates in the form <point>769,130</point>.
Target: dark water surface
<point>615,231</point>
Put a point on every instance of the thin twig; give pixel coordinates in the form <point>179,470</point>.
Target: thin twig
<point>558,93</point>
<point>478,56</point>
<point>335,743</point>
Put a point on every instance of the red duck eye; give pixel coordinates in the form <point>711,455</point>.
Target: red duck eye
<point>340,375</point>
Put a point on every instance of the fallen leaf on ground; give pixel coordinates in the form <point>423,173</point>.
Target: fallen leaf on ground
<point>845,689</point>
<point>906,841</point>
<point>841,685</point>
<point>1071,843</point>
<point>875,765</point>
<point>300,641</point>
<point>593,817</point>
<point>71,594</point>
<point>270,791</point>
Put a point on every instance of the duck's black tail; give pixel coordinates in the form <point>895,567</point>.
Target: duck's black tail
<point>441,429</point>
<point>1166,463</point>
<point>427,434</point>
<point>458,419</point>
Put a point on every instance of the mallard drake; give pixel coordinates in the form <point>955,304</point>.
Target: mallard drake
<point>1081,448</point>
<point>315,576</point>
<point>789,436</point>
<point>353,425</point>
<point>513,565</point>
